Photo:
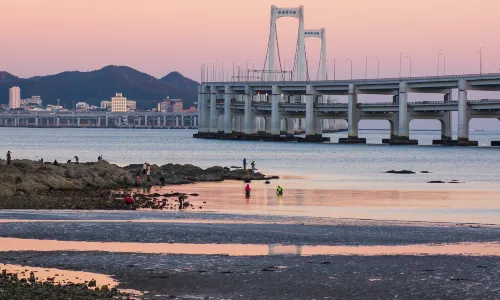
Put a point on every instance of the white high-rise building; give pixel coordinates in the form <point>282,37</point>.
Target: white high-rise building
<point>119,103</point>
<point>14,97</point>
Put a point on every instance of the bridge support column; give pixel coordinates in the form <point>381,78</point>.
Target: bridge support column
<point>176,121</point>
<point>214,116</point>
<point>36,121</point>
<point>311,116</point>
<point>58,120</point>
<point>165,121</point>
<point>249,124</point>
<point>446,137</point>
<point>182,121</point>
<point>158,122</point>
<point>352,118</point>
<point>106,121</point>
<point>319,122</point>
<point>275,125</point>
<point>228,112</point>
<point>290,127</point>
<point>463,116</point>
<point>403,136</point>
<point>204,119</point>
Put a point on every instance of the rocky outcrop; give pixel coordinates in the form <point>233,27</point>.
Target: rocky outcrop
<point>26,184</point>
<point>400,172</point>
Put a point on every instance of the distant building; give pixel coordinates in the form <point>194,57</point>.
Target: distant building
<point>131,105</point>
<point>105,104</point>
<point>14,97</point>
<point>82,106</point>
<point>165,106</point>
<point>51,107</point>
<point>191,109</point>
<point>118,103</point>
<point>177,107</point>
<point>33,101</point>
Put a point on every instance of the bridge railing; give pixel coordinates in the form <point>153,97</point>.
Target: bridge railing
<point>368,80</point>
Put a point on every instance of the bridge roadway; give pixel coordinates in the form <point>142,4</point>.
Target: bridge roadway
<point>98,119</point>
<point>220,103</point>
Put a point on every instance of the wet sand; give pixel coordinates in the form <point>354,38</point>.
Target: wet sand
<point>276,259</point>
<point>468,203</point>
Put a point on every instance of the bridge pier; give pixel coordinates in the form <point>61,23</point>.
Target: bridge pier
<point>249,115</point>
<point>402,137</point>
<point>277,96</point>
<point>446,136</point>
<point>463,116</point>
<point>214,115</point>
<point>311,116</point>
<point>352,118</point>
<point>228,112</point>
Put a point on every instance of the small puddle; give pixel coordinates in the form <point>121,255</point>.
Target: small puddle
<point>468,249</point>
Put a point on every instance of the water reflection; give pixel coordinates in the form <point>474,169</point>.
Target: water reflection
<point>468,249</point>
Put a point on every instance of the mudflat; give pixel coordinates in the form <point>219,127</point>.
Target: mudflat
<point>459,269</point>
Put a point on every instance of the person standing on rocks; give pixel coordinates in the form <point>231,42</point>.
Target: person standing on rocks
<point>77,160</point>
<point>9,158</point>
<point>253,167</point>
<point>244,163</point>
<point>148,173</point>
<point>144,167</point>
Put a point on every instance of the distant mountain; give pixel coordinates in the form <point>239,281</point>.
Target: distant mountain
<point>98,85</point>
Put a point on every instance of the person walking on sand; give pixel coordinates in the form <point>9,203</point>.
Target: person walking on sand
<point>9,158</point>
<point>253,167</point>
<point>244,163</point>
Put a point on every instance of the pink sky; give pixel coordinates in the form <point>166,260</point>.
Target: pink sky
<point>160,36</point>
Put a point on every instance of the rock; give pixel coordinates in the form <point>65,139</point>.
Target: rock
<point>400,172</point>
<point>424,172</point>
<point>92,283</point>
<point>194,194</point>
<point>268,182</point>
<point>435,181</point>
<point>26,185</point>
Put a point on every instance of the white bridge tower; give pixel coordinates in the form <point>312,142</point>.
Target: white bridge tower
<point>300,61</point>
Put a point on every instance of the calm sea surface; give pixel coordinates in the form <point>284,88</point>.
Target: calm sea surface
<point>342,180</point>
<point>319,161</point>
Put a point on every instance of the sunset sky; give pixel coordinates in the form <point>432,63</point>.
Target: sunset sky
<point>160,36</point>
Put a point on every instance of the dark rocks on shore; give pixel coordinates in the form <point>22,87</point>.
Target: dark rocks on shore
<point>435,181</point>
<point>27,185</point>
<point>19,288</point>
<point>400,172</point>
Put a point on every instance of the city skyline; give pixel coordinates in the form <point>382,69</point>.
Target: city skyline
<point>159,37</point>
